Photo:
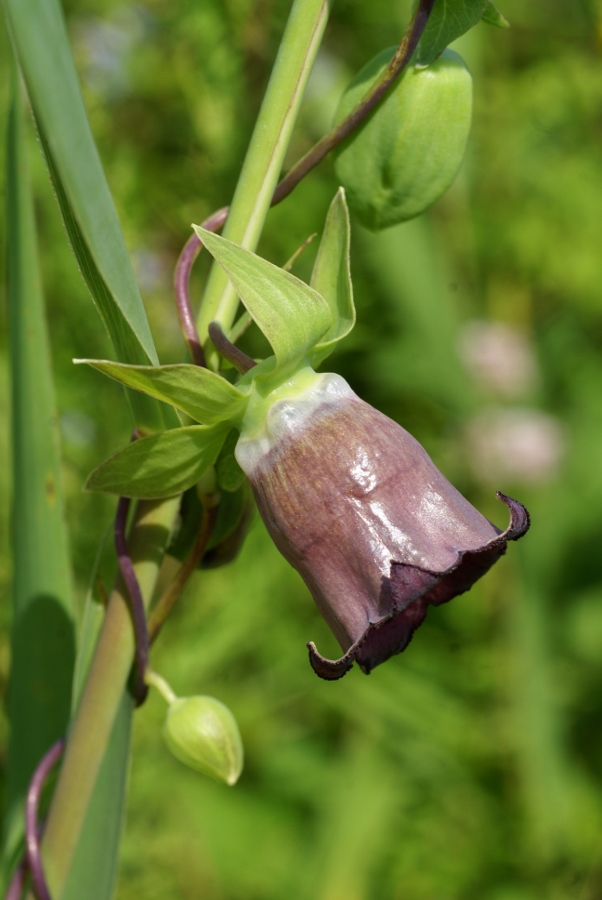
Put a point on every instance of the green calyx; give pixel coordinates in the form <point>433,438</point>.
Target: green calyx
<point>303,324</point>
<point>262,400</point>
<point>407,153</point>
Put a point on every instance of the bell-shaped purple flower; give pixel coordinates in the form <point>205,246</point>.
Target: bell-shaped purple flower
<point>356,505</point>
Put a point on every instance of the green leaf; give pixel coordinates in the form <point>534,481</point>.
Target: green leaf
<point>196,391</point>
<point>331,276</point>
<point>234,514</point>
<point>160,465</point>
<point>40,39</point>
<point>230,476</point>
<point>448,20</point>
<point>42,634</point>
<point>492,16</point>
<point>292,315</point>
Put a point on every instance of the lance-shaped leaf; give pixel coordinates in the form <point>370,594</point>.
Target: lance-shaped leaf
<point>448,20</point>
<point>492,16</point>
<point>292,315</point>
<point>331,276</point>
<point>160,465</point>
<point>198,392</point>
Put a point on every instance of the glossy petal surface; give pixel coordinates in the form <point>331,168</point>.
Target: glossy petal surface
<point>357,506</point>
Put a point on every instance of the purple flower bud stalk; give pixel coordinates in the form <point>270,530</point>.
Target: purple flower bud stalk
<point>358,508</point>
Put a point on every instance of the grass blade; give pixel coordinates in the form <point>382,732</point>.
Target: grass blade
<point>42,46</point>
<point>42,639</point>
<point>93,872</point>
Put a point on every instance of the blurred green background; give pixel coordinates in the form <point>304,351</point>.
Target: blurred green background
<point>470,766</point>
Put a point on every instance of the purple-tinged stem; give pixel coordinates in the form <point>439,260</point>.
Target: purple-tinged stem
<point>184,266</point>
<point>168,600</point>
<point>17,882</point>
<point>32,808</point>
<point>241,362</point>
<point>135,597</point>
<point>402,56</point>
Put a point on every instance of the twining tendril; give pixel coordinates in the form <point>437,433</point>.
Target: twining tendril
<point>32,858</point>
<point>17,882</point>
<point>146,632</point>
<point>132,586</point>
<point>184,265</point>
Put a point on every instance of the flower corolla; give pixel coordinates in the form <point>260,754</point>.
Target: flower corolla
<point>358,508</point>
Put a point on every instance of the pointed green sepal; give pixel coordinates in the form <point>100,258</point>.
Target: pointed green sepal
<point>492,16</point>
<point>292,315</point>
<point>160,465</point>
<point>198,392</point>
<point>331,276</point>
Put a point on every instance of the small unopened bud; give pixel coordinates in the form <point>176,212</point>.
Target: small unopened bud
<point>202,733</point>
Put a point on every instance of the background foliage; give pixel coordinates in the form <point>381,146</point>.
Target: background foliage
<point>469,766</point>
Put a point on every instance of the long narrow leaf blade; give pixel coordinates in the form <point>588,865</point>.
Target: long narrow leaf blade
<point>42,638</point>
<point>94,869</point>
<point>40,39</point>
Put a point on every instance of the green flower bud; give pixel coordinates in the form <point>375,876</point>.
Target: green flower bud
<point>202,733</point>
<point>408,151</point>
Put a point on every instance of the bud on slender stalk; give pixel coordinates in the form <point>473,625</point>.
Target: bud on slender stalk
<point>202,733</point>
<point>356,505</point>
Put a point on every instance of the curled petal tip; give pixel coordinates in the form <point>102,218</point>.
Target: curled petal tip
<point>330,669</point>
<point>520,520</point>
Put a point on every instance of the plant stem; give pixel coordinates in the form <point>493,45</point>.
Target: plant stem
<point>265,155</point>
<point>357,115</point>
<point>298,172</point>
<point>153,679</point>
<point>168,600</point>
<point>182,272</point>
<point>32,825</point>
<point>106,681</point>
<point>136,599</point>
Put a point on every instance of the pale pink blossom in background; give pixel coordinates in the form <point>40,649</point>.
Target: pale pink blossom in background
<point>499,357</point>
<point>525,445</point>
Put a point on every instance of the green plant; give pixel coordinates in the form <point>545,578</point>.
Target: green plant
<point>95,236</point>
